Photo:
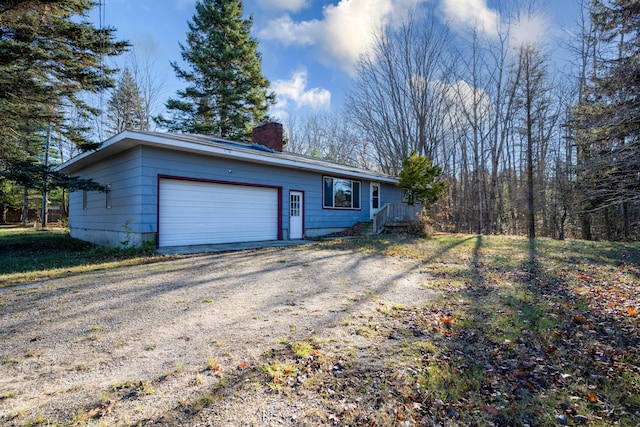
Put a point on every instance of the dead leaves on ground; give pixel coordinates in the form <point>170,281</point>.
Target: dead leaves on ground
<point>531,348</point>
<point>548,343</point>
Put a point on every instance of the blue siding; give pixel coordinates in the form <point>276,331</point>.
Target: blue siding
<point>134,190</point>
<point>390,194</point>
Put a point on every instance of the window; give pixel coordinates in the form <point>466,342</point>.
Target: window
<point>375,196</point>
<point>84,199</point>
<point>341,193</point>
<point>294,205</point>
<point>107,194</point>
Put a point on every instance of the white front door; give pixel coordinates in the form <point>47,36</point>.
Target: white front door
<point>375,199</point>
<point>296,207</point>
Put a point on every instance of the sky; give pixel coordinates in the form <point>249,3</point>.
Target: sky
<point>310,48</point>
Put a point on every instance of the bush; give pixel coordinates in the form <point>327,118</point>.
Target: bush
<point>420,227</point>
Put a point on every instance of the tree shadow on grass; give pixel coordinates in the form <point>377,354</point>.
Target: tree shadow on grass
<point>519,347</point>
<point>511,346</point>
<point>528,351</point>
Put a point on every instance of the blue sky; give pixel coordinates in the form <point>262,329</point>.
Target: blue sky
<point>309,47</point>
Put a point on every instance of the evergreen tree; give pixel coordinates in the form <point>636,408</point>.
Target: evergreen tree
<point>49,56</point>
<point>226,93</point>
<point>125,108</point>
<point>607,121</point>
<point>419,179</point>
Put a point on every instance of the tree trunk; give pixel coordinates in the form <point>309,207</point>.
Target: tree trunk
<point>25,206</point>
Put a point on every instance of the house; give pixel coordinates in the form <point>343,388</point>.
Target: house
<point>179,190</point>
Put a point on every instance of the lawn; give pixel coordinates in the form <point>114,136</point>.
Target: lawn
<point>29,254</point>
<point>522,333</point>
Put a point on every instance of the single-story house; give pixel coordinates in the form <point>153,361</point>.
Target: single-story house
<point>179,190</point>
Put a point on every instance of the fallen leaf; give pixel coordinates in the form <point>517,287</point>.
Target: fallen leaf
<point>217,370</point>
<point>490,409</point>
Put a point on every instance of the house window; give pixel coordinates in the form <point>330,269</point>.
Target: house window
<point>84,199</point>
<point>107,194</point>
<point>341,193</point>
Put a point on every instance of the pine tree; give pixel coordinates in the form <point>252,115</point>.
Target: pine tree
<point>49,56</point>
<point>125,108</point>
<point>226,93</point>
<point>420,180</point>
<point>607,121</point>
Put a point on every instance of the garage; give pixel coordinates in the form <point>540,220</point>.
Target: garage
<point>199,213</point>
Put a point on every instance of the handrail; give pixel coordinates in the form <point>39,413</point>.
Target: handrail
<point>380,219</point>
<point>395,214</point>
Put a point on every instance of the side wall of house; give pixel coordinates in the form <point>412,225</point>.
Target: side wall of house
<point>390,194</point>
<point>121,223</point>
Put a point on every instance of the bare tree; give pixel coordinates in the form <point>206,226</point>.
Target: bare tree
<point>398,99</point>
<point>328,136</point>
<point>150,86</point>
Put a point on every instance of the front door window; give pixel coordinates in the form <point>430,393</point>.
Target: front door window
<point>375,198</point>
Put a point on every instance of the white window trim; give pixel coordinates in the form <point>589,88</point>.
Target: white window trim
<point>359,199</point>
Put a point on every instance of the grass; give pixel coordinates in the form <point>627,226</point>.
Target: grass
<point>28,254</point>
<point>539,332</point>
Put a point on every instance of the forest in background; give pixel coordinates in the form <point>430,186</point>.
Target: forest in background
<point>526,148</point>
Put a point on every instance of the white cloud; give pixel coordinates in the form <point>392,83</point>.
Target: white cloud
<point>294,90</point>
<point>529,30</point>
<point>346,30</point>
<point>461,97</point>
<point>292,5</point>
<point>285,30</point>
<point>471,14</point>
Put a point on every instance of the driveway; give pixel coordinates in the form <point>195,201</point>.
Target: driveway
<point>129,346</point>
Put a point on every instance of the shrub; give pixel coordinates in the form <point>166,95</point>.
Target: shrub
<point>420,227</point>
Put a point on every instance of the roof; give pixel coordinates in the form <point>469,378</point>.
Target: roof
<point>217,147</point>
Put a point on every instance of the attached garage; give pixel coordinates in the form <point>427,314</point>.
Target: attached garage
<point>202,212</point>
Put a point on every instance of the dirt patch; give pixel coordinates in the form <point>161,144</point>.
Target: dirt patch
<point>190,340</point>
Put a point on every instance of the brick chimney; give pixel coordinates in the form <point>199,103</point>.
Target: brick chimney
<point>268,134</point>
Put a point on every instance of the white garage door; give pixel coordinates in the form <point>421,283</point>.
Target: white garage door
<point>196,213</point>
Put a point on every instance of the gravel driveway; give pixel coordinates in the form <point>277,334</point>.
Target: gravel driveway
<point>130,346</point>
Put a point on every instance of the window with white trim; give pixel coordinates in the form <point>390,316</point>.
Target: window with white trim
<point>339,193</point>
<point>84,199</point>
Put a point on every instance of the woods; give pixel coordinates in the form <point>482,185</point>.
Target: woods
<point>525,148</point>
<point>528,143</point>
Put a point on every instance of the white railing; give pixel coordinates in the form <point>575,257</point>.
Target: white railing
<point>395,215</point>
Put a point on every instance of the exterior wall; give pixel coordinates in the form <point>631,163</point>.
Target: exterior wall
<point>134,193</point>
<point>123,221</point>
<point>390,194</point>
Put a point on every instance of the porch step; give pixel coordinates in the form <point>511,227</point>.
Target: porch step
<point>395,227</point>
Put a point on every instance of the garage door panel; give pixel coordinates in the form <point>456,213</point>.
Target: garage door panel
<point>193,213</point>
